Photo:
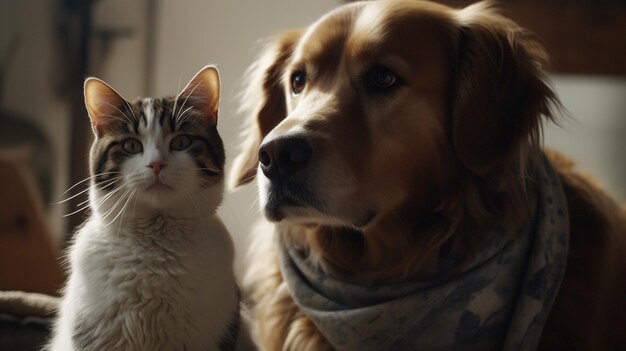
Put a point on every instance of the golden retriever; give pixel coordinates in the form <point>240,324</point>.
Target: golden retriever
<point>389,134</point>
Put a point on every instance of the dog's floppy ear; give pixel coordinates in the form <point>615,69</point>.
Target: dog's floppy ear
<point>264,102</point>
<point>500,92</point>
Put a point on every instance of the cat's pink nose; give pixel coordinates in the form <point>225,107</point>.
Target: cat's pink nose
<point>156,166</point>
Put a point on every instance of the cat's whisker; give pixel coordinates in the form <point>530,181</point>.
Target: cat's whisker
<point>135,204</point>
<point>73,196</point>
<point>175,101</point>
<point>105,198</point>
<point>117,203</point>
<point>130,179</point>
<point>111,193</point>
<point>188,95</point>
<point>131,110</point>
<point>117,118</point>
<point>184,102</point>
<point>97,205</point>
<point>129,121</point>
<point>83,203</point>
<point>104,187</point>
<point>181,117</point>
<point>86,179</point>
<point>127,183</point>
<point>107,182</point>
<point>122,211</point>
<point>75,212</point>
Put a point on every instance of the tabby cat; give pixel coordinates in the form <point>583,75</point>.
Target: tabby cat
<point>152,266</point>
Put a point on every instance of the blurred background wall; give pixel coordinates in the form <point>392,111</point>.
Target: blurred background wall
<point>153,47</point>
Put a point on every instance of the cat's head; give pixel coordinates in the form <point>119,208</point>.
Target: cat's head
<point>161,154</point>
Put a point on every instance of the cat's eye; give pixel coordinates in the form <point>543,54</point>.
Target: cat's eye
<point>180,142</point>
<point>381,79</point>
<point>132,146</point>
<point>298,81</point>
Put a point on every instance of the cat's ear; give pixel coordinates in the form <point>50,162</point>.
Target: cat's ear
<point>203,93</point>
<point>104,105</point>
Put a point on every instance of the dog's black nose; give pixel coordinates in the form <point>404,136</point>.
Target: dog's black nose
<point>284,156</point>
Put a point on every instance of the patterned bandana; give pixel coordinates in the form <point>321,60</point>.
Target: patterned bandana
<point>500,302</point>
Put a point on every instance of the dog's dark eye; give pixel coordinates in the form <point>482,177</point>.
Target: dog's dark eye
<point>381,79</point>
<point>132,146</point>
<point>298,81</point>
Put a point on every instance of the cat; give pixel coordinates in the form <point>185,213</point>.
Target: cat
<point>152,266</point>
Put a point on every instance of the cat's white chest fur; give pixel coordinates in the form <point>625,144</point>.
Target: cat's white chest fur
<point>159,284</point>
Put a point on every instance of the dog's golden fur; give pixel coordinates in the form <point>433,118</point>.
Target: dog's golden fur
<point>398,178</point>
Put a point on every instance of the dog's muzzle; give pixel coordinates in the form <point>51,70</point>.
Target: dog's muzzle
<point>285,157</point>
<point>285,161</point>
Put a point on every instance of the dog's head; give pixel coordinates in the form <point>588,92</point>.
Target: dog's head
<point>382,105</point>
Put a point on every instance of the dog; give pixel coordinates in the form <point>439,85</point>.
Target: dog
<point>397,149</point>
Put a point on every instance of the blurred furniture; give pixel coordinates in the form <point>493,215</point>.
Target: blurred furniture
<point>29,256</point>
<point>15,131</point>
<point>25,320</point>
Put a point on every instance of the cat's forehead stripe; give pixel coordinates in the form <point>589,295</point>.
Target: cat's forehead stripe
<point>148,111</point>
<point>149,115</point>
<point>155,112</point>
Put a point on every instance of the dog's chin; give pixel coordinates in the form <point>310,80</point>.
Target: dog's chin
<point>297,204</point>
<point>310,216</point>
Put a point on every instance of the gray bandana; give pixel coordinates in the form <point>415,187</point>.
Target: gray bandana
<point>500,302</point>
